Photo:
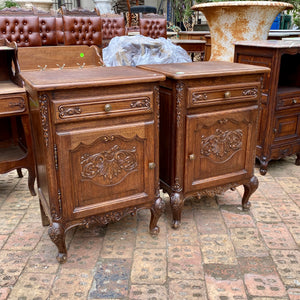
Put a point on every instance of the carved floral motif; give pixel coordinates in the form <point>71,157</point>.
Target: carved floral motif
<point>111,165</point>
<point>250,92</point>
<point>198,97</point>
<point>43,100</point>
<point>179,100</point>
<point>222,144</point>
<point>141,103</point>
<point>68,111</point>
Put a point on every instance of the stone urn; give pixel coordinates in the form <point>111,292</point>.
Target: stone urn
<point>238,21</point>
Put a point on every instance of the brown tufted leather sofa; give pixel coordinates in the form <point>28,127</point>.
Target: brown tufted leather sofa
<point>112,25</point>
<point>153,26</point>
<point>24,30</point>
<point>82,30</point>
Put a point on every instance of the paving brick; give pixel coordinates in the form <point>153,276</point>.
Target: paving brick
<point>17,200</point>
<point>257,265</point>
<point>9,220</point>
<point>185,262</point>
<point>145,240</point>
<point>25,237</point>
<point>276,236</point>
<point>83,252</point>
<point>71,286</point>
<point>186,234</point>
<point>264,212</point>
<point>32,215</point>
<point>222,271</point>
<point>246,242</point>
<point>4,292</point>
<point>3,239</point>
<point>12,264</point>
<point>289,184</point>
<point>149,266</point>
<point>264,285</point>
<point>271,190</point>
<point>237,219</point>
<point>217,249</point>
<point>118,243</point>
<point>209,223</point>
<point>111,279</point>
<point>288,265</point>
<point>286,209</point>
<point>225,289</point>
<point>148,292</point>
<point>187,289</point>
<point>43,258</point>
<point>32,286</point>
<point>295,198</point>
<point>229,198</point>
<point>294,228</point>
<point>294,293</point>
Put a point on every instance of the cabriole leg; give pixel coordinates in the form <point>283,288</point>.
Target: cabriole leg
<point>249,189</point>
<point>176,201</point>
<point>156,211</point>
<point>57,235</point>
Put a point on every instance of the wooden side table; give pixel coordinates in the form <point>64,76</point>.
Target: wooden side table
<point>208,126</point>
<point>279,122</point>
<point>97,134</point>
<point>16,150</point>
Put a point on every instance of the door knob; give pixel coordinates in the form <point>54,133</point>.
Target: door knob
<point>107,107</point>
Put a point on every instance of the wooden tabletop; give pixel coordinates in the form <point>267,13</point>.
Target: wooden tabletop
<point>89,77</point>
<point>204,69</point>
<point>270,43</point>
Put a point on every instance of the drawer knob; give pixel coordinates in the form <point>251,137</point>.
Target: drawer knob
<point>152,165</point>
<point>107,107</point>
<point>275,130</point>
<point>294,101</point>
<point>227,94</point>
<point>192,156</point>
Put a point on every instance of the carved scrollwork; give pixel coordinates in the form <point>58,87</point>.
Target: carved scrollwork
<point>216,190</point>
<point>141,103</point>
<point>222,144</point>
<point>111,165</point>
<point>176,187</point>
<point>110,217</point>
<point>198,97</point>
<point>179,100</point>
<point>43,100</point>
<point>156,99</point>
<point>250,92</point>
<point>68,111</point>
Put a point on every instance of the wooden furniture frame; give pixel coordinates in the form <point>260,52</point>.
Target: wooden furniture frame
<point>97,134</point>
<point>208,129</point>
<point>279,123</point>
<point>16,150</point>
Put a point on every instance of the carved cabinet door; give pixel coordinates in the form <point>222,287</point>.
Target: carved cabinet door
<point>220,147</point>
<point>105,169</point>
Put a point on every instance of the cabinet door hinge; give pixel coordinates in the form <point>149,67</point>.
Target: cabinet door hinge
<point>55,156</point>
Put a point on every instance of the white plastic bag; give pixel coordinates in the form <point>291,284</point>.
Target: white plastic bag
<point>141,50</point>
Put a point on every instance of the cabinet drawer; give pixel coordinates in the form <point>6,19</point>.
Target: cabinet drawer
<point>103,107</point>
<point>284,102</point>
<point>12,105</point>
<point>229,93</point>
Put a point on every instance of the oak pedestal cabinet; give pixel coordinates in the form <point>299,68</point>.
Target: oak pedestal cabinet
<point>208,129</point>
<point>97,134</point>
<point>16,150</point>
<point>279,123</point>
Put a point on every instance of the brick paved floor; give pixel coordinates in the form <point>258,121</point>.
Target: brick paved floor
<point>219,252</point>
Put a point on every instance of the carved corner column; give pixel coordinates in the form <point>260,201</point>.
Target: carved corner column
<point>176,197</point>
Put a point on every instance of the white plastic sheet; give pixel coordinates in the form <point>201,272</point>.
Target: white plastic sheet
<point>141,50</point>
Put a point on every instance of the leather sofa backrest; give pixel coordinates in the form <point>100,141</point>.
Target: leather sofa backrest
<point>24,30</point>
<point>153,27</point>
<point>79,30</point>
<point>48,31</point>
<point>112,25</point>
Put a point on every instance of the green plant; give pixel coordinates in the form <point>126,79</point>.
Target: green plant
<point>8,3</point>
<point>182,9</point>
